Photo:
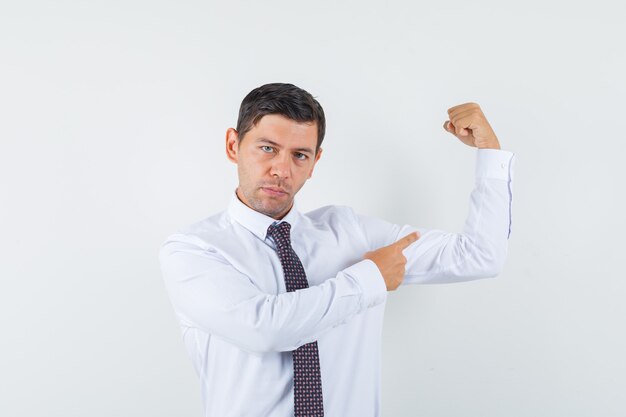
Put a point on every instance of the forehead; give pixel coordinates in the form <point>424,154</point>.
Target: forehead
<point>285,131</point>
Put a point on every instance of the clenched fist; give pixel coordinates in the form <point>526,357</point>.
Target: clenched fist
<point>391,261</point>
<point>469,124</point>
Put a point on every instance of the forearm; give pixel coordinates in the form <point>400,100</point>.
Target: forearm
<point>208,293</point>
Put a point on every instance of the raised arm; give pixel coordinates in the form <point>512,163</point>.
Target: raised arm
<point>479,251</point>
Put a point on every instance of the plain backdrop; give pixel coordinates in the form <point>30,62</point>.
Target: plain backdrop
<point>112,123</point>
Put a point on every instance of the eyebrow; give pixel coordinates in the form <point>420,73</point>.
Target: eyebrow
<point>303,150</point>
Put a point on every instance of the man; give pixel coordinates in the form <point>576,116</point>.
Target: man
<point>282,311</point>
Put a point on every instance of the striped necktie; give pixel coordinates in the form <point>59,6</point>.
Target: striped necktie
<point>307,380</point>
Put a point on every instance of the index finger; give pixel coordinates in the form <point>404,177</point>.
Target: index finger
<point>407,240</point>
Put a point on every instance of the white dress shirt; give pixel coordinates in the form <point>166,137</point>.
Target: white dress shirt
<point>239,324</point>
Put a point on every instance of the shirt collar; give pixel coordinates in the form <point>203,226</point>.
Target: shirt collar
<point>257,222</point>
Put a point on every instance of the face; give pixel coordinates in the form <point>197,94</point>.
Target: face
<point>274,160</point>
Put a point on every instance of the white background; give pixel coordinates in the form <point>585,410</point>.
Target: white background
<point>112,124</point>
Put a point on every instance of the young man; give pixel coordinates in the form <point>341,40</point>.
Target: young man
<point>282,311</point>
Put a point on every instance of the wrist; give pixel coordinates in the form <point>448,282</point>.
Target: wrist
<point>490,145</point>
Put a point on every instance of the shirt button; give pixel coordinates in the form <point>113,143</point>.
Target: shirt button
<point>503,165</point>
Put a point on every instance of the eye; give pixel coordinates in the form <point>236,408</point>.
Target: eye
<point>265,146</point>
<point>301,154</point>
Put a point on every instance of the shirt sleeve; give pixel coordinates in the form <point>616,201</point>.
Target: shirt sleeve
<point>207,292</point>
<point>479,251</point>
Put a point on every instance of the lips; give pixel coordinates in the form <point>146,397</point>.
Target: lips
<point>274,190</point>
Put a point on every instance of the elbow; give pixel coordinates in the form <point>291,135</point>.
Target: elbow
<point>271,330</point>
<point>489,260</point>
<point>492,271</point>
<point>258,339</point>
<point>493,264</point>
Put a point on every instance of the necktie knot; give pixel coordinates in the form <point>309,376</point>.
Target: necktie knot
<point>280,233</point>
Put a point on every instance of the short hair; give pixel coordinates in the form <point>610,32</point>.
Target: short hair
<point>284,99</point>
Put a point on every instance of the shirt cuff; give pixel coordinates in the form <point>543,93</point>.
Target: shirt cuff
<point>371,282</point>
<point>494,163</point>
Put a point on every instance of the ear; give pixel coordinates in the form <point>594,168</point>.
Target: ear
<point>232,144</point>
<point>317,158</point>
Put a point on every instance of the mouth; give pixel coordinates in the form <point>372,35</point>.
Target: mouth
<point>274,191</point>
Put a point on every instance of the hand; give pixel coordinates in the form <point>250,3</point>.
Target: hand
<point>390,260</point>
<point>468,123</point>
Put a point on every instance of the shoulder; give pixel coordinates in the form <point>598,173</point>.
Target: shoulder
<point>200,233</point>
<point>330,214</point>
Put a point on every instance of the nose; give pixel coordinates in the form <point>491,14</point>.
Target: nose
<point>280,166</point>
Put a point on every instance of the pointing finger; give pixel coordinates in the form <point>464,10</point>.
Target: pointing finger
<point>407,240</point>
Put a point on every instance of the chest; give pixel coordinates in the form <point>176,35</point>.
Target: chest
<point>322,251</point>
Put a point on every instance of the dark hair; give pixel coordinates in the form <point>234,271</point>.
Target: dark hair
<point>284,99</point>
